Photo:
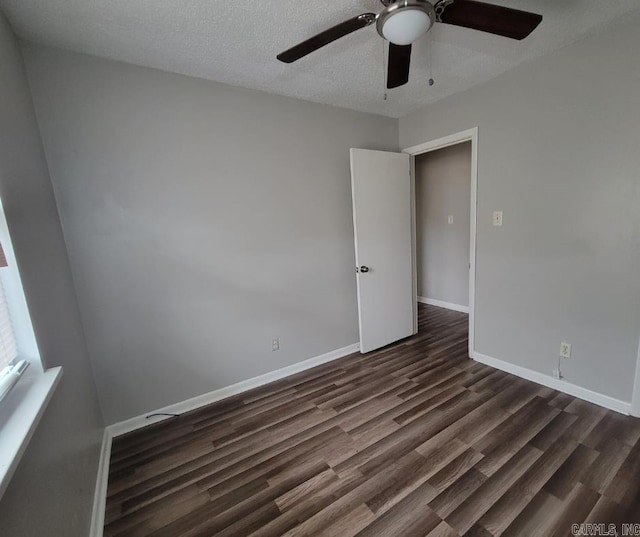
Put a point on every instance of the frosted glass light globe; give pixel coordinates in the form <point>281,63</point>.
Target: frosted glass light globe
<point>406,26</point>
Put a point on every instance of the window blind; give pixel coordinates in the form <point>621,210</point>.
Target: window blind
<point>8,347</point>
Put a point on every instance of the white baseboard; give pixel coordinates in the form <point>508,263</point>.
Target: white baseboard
<point>556,384</point>
<point>100,495</point>
<point>137,422</point>
<point>442,304</point>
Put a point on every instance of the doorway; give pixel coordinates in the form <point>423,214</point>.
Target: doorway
<point>443,195</point>
<point>444,240</point>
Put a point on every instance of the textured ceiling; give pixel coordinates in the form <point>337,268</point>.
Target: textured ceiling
<point>236,42</point>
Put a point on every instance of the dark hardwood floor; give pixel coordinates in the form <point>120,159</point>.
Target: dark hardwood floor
<point>415,439</point>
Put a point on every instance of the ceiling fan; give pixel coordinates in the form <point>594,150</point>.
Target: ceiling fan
<point>402,22</point>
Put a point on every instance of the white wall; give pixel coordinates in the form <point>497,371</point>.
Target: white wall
<point>51,492</point>
<point>558,153</point>
<point>202,220</point>
<point>443,189</point>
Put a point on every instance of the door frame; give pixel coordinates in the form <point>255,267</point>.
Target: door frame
<point>433,145</point>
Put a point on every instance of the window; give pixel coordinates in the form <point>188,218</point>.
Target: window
<point>8,345</point>
<point>20,410</point>
<point>17,339</point>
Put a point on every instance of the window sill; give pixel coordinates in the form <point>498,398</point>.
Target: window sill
<point>20,413</point>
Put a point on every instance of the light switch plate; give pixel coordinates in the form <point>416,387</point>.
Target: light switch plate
<point>497,218</point>
<point>450,219</point>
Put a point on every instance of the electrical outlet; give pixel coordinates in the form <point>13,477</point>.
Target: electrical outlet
<point>497,218</point>
<point>565,349</point>
<point>450,219</point>
<point>275,344</point>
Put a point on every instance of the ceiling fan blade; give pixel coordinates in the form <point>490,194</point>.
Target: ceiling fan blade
<point>398,70</point>
<point>326,37</point>
<point>490,18</point>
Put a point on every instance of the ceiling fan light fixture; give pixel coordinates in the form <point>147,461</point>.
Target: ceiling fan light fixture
<point>405,21</point>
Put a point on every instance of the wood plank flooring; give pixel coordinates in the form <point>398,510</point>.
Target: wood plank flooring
<point>411,440</point>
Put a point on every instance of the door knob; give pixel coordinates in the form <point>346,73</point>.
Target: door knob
<point>364,268</point>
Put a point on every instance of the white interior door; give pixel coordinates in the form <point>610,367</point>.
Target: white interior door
<point>381,190</point>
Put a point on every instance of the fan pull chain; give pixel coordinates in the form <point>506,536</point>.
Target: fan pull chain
<point>430,45</point>
<point>384,64</point>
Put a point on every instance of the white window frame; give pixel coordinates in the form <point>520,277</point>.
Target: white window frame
<point>16,301</point>
<point>22,408</point>
<point>8,343</point>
